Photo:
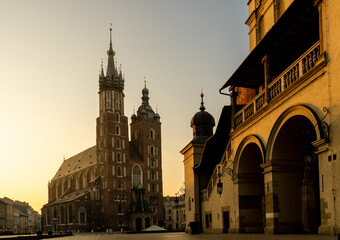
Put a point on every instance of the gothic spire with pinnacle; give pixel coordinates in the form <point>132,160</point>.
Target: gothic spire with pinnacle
<point>102,71</point>
<point>110,64</point>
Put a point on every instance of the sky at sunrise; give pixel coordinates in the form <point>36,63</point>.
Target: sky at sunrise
<point>50,57</point>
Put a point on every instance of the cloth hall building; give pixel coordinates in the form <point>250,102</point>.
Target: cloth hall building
<point>116,184</point>
<point>272,166</point>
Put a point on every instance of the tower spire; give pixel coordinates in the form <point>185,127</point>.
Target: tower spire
<point>202,108</point>
<point>110,63</point>
<point>102,70</point>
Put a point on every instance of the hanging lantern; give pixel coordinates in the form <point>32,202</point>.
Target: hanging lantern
<point>219,186</point>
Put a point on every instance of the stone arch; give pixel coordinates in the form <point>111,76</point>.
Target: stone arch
<point>292,172</point>
<point>247,140</point>
<point>300,110</point>
<point>248,178</point>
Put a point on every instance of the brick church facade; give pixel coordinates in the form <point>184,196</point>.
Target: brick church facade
<point>116,184</point>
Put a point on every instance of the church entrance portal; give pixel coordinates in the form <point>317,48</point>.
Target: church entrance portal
<point>139,224</point>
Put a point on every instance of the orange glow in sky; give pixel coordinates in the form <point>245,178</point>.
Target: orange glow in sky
<point>50,56</point>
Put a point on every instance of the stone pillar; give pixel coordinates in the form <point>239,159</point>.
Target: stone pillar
<point>266,65</point>
<point>322,24</point>
<point>270,199</point>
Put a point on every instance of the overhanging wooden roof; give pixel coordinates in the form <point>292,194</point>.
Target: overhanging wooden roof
<point>290,37</point>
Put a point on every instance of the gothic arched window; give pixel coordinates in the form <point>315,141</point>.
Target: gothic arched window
<point>119,159</point>
<point>117,130</point>
<point>117,117</point>
<point>70,217</point>
<point>152,134</point>
<point>119,171</point>
<point>118,143</point>
<point>136,175</point>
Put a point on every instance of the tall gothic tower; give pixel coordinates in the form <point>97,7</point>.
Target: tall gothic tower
<point>112,145</point>
<point>146,140</point>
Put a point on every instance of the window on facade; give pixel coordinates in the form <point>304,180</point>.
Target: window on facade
<point>48,217</point>
<point>169,218</point>
<point>120,185</point>
<point>136,134</point>
<point>117,130</point>
<point>136,176</point>
<point>119,171</point>
<point>62,214</point>
<point>152,175</point>
<point>152,134</point>
<point>102,171</point>
<point>119,158</point>
<point>84,181</point>
<point>82,217</point>
<point>152,150</point>
<point>112,142</point>
<point>118,143</point>
<point>117,100</point>
<point>278,9</point>
<point>117,117</point>
<point>152,162</point>
<point>108,100</point>
<point>260,28</point>
<point>54,212</point>
<point>70,214</point>
<point>153,187</point>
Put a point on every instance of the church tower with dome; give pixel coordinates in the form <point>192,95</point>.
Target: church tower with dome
<point>116,184</point>
<point>202,124</point>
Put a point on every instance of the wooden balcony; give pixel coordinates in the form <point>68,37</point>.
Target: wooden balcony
<point>293,75</point>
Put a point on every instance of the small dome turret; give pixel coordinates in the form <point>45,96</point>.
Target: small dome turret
<point>202,122</point>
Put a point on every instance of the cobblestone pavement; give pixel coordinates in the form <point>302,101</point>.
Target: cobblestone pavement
<point>183,236</point>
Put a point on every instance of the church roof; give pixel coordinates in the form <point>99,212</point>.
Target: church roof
<point>78,162</point>
<point>70,197</point>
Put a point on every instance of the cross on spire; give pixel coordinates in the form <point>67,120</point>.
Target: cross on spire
<point>202,108</point>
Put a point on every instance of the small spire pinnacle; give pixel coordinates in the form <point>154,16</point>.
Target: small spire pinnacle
<point>101,70</point>
<point>110,36</point>
<point>144,82</point>
<point>157,109</point>
<point>202,108</point>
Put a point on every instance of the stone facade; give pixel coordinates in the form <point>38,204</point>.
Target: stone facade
<point>18,217</point>
<point>116,184</point>
<point>279,165</point>
<point>174,216</point>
